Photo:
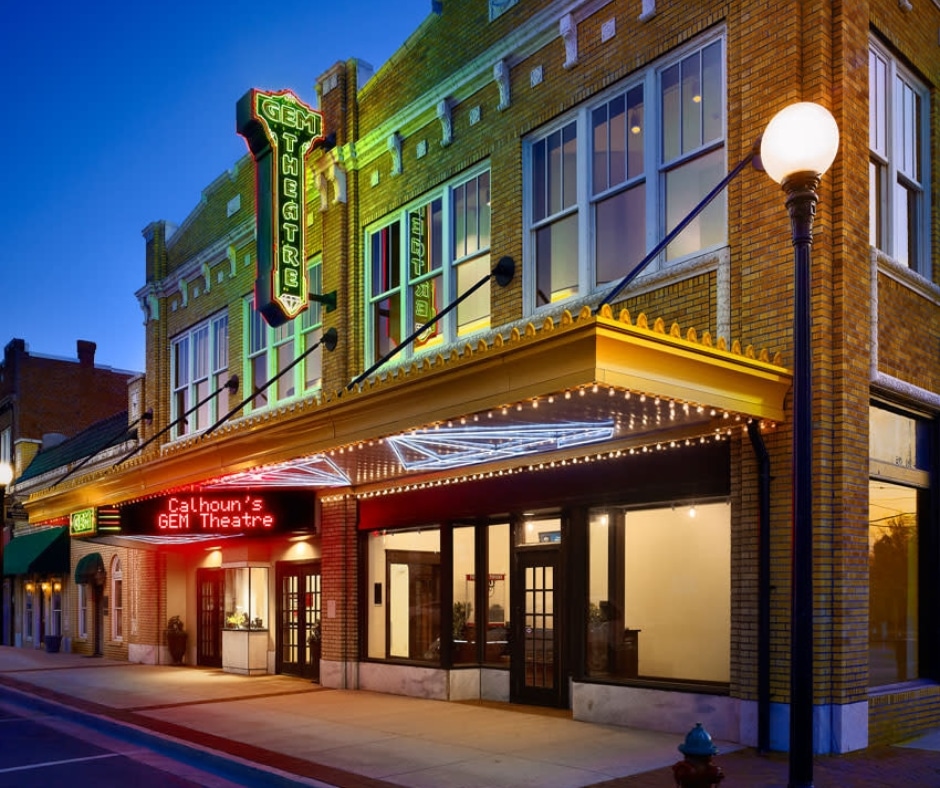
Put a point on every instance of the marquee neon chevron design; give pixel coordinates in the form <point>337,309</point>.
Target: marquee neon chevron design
<point>316,471</point>
<point>454,447</point>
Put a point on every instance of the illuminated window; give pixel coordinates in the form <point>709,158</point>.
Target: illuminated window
<point>641,614</point>
<point>898,136</point>
<point>606,182</point>
<point>117,600</point>
<point>199,366</point>
<point>246,598</point>
<point>404,619</point>
<point>29,601</point>
<point>55,623</point>
<point>272,351</point>
<point>421,259</point>
<point>898,505</point>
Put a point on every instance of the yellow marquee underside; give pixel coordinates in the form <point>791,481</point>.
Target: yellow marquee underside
<point>651,384</point>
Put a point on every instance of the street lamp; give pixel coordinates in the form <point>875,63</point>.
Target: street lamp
<point>6,476</point>
<point>798,146</point>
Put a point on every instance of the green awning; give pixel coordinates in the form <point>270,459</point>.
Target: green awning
<point>88,568</point>
<point>44,552</point>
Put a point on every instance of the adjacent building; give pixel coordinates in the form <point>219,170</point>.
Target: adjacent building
<point>558,491</point>
<point>52,410</point>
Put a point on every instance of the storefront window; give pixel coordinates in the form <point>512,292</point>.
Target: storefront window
<point>900,480</point>
<point>56,622</point>
<point>659,579</point>
<point>404,619</point>
<point>465,629</point>
<point>497,595</point>
<point>28,602</point>
<point>246,598</point>
<point>540,531</point>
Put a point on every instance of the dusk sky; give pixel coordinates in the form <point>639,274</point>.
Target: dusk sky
<point>120,113</point>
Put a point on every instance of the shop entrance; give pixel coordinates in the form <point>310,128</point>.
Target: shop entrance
<point>536,670</point>
<point>209,587</point>
<point>298,633</point>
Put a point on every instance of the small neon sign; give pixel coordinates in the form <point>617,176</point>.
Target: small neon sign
<point>83,523</point>
<point>280,131</point>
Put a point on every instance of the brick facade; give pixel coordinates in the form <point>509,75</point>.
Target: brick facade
<point>439,102</point>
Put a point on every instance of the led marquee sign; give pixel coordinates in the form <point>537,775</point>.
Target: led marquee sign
<point>280,130</point>
<point>236,512</point>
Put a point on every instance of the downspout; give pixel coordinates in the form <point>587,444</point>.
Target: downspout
<point>763,588</point>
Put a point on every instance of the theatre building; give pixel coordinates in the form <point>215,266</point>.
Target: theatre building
<point>455,415</point>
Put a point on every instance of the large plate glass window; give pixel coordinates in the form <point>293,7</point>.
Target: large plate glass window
<point>605,183</point>
<point>898,128</point>
<point>643,610</point>
<point>421,259</point>
<point>898,504</point>
<point>404,580</point>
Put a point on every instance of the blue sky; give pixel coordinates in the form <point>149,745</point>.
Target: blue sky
<point>119,113</point>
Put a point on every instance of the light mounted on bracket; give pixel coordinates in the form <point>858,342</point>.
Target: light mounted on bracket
<point>327,299</point>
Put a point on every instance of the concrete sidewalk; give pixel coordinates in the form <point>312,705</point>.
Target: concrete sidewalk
<point>357,738</point>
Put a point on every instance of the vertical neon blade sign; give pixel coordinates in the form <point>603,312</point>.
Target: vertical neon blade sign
<point>280,131</point>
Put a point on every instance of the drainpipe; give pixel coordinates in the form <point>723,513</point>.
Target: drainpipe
<point>763,588</point>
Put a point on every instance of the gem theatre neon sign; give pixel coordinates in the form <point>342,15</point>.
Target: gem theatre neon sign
<point>280,131</point>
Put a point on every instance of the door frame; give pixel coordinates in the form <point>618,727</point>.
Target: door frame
<point>555,696</point>
<point>216,576</point>
<point>309,650</point>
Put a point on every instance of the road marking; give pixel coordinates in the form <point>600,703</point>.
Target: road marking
<point>60,763</point>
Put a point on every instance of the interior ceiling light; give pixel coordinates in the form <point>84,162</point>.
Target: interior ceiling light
<point>316,471</point>
<point>455,447</point>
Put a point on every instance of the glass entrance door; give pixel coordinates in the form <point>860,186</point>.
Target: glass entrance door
<point>299,643</point>
<point>209,622</point>
<point>536,665</point>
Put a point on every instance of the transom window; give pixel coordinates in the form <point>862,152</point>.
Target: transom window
<point>271,351</point>
<point>422,259</point>
<point>609,180</point>
<point>898,129</point>
<point>199,366</point>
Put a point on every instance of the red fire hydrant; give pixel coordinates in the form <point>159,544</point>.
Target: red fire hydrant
<point>696,770</point>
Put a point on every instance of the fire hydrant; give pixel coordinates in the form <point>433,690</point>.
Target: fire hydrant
<point>696,770</point>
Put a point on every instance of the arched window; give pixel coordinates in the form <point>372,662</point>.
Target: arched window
<point>117,600</point>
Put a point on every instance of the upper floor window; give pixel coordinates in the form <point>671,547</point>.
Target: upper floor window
<point>6,445</point>
<point>421,260</point>
<point>199,366</point>
<point>609,180</point>
<point>272,351</point>
<point>898,129</point>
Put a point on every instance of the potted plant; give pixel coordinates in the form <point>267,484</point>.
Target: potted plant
<point>176,639</point>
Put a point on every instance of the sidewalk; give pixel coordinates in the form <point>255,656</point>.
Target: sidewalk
<point>359,739</point>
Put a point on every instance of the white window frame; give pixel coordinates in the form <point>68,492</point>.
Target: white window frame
<point>185,382</point>
<point>6,445</point>
<point>294,338</point>
<point>455,265</point>
<point>117,600</point>
<point>890,155</point>
<point>655,172</point>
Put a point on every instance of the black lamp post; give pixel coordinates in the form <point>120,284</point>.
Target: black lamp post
<point>799,145</point>
<point>6,476</point>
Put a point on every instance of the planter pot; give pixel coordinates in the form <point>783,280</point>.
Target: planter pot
<point>53,643</point>
<point>176,642</point>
